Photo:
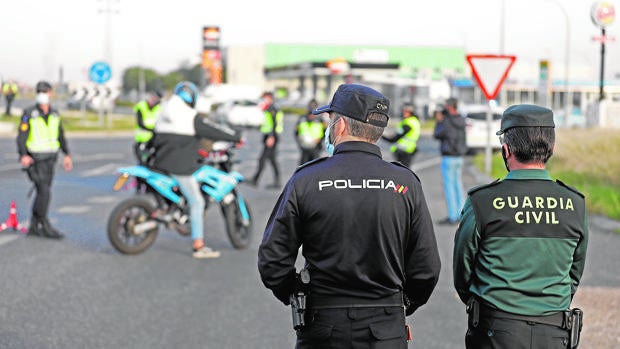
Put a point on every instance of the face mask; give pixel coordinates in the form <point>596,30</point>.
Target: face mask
<point>329,147</point>
<point>42,98</point>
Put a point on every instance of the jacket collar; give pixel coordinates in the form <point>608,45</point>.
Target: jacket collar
<point>358,146</point>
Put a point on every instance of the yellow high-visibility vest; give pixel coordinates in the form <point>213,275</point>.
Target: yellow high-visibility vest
<point>43,137</point>
<point>149,117</point>
<point>409,141</point>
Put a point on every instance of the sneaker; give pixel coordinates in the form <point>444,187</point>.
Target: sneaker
<point>206,252</point>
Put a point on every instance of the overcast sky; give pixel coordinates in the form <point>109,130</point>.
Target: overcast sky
<point>37,37</point>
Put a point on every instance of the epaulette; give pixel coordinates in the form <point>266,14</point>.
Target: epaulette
<point>309,163</point>
<point>398,163</point>
<point>569,188</point>
<point>482,186</point>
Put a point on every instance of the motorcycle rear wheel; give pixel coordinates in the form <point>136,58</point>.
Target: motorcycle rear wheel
<point>122,222</point>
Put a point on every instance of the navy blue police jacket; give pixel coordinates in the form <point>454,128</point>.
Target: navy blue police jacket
<point>364,227</point>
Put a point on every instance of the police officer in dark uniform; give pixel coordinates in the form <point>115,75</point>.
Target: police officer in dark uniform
<point>40,137</point>
<point>367,235</point>
<point>520,249</point>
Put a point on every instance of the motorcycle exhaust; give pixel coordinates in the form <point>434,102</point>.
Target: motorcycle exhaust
<point>142,228</point>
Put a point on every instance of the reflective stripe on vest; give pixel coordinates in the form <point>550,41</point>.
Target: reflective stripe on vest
<point>149,117</point>
<point>43,137</point>
<point>409,141</point>
<point>267,126</point>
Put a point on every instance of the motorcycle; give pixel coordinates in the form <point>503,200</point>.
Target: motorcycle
<point>134,223</point>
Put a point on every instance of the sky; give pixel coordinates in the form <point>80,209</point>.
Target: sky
<point>38,37</point>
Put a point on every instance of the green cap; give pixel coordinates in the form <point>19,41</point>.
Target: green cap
<point>526,115</point>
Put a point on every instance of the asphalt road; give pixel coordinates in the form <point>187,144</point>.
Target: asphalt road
<point>81,293</point>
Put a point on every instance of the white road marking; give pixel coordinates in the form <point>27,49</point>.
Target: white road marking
<point>5,239</point>
<point>426,164</point>
<point>73,209</point>
<point>103,199</point>
<point>105,169</point>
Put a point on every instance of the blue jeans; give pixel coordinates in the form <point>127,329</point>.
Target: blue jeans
<point>451,169</point>
<point>191,190</point>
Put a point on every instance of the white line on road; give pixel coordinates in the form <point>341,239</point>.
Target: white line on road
<point>7,238</point>
<point>105,169</point>
<point>426,164</point>
<point>73,209</point>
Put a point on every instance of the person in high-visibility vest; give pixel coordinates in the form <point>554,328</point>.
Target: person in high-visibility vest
<point>406,137</point>
<point>10,91</point>
<point>272,127</point>
<point>309,133</point>
<point>146,116</point>
<point>39,139</point>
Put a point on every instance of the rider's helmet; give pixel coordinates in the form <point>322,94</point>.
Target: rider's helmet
<point>188,92</point>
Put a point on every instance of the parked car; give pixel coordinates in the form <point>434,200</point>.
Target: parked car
<point>240,112</point>
<point>477,131</point>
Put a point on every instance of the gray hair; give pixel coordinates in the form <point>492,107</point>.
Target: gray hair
<point>368,132</point>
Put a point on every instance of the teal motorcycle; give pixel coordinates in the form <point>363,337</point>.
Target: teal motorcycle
<point>134,223</point>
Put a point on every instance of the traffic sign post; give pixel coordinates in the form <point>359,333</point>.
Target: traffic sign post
<point>100,73</point>
<point>490,71</point>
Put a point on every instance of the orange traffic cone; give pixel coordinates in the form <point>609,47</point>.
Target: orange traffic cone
<point>12,221</point>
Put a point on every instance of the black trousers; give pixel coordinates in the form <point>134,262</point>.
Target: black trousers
<point>309,155</point>
<point>515,334</point>
<point>404,157</point>
<point>367,327</point>
<point>268,154</point>
<point>9,101</point>
<point>41,174</point>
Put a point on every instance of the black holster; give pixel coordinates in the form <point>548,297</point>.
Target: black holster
<point>473,312</point>
<point>574,323</point>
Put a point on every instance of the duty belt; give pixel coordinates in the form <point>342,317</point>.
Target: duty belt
<point>557,319</point>
<point>329,302</point>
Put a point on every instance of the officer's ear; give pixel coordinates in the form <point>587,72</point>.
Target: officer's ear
<point>505,150</point>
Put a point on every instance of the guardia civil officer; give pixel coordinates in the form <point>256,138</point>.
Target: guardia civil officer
<point>520,249</point>
<point>365,231</point>
<point>39,139</point>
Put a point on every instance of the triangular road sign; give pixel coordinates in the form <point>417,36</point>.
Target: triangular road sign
<point>490,71</point>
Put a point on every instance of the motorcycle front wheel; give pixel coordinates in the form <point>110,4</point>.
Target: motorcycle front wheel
<point>131,230</point>
<point>238,229</point>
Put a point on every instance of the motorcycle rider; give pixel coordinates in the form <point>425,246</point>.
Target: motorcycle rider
<point>178,130</point>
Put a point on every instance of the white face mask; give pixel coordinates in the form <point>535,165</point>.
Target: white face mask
<point>42,98</point>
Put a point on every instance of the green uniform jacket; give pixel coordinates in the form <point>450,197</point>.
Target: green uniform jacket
<point>521,245</point>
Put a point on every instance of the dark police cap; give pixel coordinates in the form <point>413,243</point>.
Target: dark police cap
<point>357,102</point>
<point>525,115</point>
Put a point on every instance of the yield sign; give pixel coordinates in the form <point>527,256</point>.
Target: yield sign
<point>490,72</point>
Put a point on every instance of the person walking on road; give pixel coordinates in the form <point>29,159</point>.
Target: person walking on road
<point>365,231</point>
<point>309,133</point>
<point>10,91</point>
<point>178,130</point>
<point>450,131</point>
<point>272,127</point>
<point>39,139</point>
<point>520,248</point>
<point>406,137</point>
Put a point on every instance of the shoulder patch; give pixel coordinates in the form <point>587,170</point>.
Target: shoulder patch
<point>397,163</point>
<point>488,185</point>
<point>23,127</point>
<point>310,163</point>
<point>569,188</point>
